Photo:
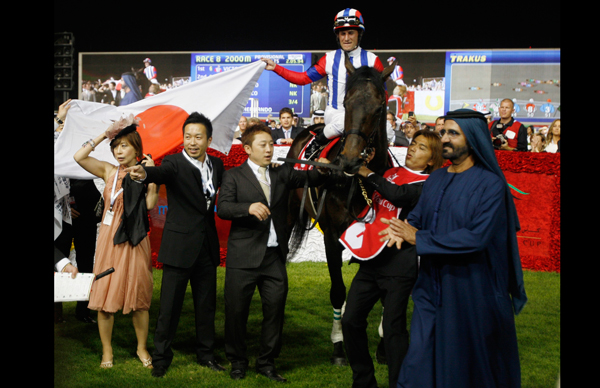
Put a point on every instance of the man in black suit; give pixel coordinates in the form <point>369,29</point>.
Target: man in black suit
<point>287,132</point>
<point>189,248</point>
<point>257,248</point>
<point>83,232</point>
<point>112,96</point>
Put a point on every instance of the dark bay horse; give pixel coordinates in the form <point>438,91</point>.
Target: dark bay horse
<point>365,129</point>
<point>141,79</point>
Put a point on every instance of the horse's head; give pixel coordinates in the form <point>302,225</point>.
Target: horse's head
<point>141,79</point>
<point>365,119</point>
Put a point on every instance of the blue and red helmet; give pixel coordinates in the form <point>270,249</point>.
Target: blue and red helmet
<point>349,18</point>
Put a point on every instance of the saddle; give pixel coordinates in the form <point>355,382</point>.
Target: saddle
<point>322,154</point>
<point>313,192</point>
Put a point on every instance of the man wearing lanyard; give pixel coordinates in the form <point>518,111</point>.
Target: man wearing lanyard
<point>189,248</point>
<point>254,197</point>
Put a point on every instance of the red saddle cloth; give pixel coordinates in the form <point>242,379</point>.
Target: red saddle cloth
<point>323,154</point>
<point>362,238</point>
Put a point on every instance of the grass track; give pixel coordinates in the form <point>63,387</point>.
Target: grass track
<point>306,349</point>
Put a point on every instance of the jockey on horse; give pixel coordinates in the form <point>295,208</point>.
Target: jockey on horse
<point>348,27</point>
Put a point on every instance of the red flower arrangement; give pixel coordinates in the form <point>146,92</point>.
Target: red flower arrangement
<point>530,165</point>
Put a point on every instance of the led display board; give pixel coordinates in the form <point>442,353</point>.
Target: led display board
<point>272,92</point>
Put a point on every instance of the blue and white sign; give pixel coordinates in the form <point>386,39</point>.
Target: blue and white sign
<point>272,92</point>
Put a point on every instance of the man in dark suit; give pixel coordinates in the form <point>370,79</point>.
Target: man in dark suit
<point>287,132</point>
<point>189,248</point>
<point>257,248</point>
<point>112,96</point>
<point>83,231</point>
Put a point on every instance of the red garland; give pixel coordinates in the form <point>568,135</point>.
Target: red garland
<point>545,164</point>
<point>155,263</point>
<point>234,158</point>
<point>517,162</point>
<point>223,255</point>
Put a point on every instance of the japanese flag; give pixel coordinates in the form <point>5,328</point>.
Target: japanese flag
<point>220,97</point>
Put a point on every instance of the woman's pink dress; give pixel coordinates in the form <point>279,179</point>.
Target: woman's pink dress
<point>129,288</point>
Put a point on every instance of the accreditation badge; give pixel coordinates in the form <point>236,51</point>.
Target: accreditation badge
<point>108,217</point>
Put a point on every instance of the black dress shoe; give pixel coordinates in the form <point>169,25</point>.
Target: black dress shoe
<point>159,371</point>
<point>271,374</point>
<point>86,319</point>
<point>212,365</point>
<point>237,373</point>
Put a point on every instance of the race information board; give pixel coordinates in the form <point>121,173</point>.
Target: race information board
<point>272,92</point>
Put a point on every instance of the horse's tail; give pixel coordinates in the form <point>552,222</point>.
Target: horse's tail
<point>299,221</point>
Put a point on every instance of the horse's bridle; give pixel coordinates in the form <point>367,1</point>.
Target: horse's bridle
<point>368,139</point>
<point>363,155</point>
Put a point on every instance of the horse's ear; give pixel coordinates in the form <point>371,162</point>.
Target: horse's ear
<point>349,66</point>
<point>388,70</point>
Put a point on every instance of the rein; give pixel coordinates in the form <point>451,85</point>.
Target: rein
<point>363,155</point>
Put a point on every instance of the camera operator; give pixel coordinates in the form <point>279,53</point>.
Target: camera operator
<point>507,133</point>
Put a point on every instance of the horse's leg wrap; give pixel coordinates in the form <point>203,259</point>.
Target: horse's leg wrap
<point>336,330</point>
<point>381,324</point>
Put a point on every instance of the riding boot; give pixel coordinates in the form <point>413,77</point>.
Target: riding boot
<point>316,145</point>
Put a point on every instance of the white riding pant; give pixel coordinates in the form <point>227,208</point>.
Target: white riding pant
<point>334,122</point>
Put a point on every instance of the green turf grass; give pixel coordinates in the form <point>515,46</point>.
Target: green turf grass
<point>304,359</point>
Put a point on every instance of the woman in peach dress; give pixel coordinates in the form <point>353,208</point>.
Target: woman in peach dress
<point>123,242</point>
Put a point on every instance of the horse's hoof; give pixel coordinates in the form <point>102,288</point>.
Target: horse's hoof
<point>339,361</point>
<point>338,358</point>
